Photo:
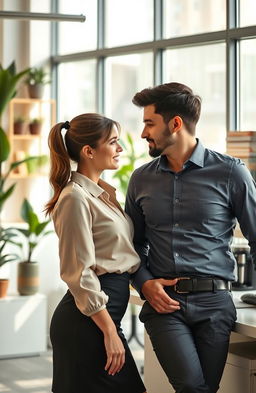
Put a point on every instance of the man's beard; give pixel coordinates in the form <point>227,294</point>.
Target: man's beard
<point>155,152</point>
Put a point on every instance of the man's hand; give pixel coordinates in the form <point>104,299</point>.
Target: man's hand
<point>154,292</point>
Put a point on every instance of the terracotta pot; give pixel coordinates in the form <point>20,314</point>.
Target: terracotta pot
<point>36,91</point>
<point>4,283</point>
<point>19,128</point>
<point>28,278</point>
<point>35,128</point>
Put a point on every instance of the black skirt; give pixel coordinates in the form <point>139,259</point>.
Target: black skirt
<point>79,355</point>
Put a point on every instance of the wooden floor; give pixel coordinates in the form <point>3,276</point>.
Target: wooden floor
<point>34,374</point>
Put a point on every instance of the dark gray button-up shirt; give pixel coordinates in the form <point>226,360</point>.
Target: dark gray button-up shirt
<point>184,221</point>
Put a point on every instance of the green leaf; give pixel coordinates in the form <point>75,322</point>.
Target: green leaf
<point>25,209</point>
<point>25,232</point>
<point>4,146</point>
<point>33,221</point>
<point>17,163</point>
<point>8,82</point>
<point>4,195</point>
<point>41,226</point>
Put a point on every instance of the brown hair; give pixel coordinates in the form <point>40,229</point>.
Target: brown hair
<point>172,99</point>
<point>85,129</point>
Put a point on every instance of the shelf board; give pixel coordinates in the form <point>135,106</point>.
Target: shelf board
<point>31,100</point>
<point>25,136</point>
<point>29,176</point>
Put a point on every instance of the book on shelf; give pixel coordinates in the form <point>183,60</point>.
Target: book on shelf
<point>242,147</point>
<point>239,139</point>
<point>241,133</point>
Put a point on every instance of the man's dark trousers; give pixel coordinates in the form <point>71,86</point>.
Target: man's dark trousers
<point>191,344</point>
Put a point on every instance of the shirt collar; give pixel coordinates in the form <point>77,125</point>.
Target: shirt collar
<point>197,158</point>
<point>93,188</point>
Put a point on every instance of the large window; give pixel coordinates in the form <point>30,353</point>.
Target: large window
<point>125,46</point>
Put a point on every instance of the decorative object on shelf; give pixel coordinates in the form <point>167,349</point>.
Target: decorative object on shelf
<point>35,126</point>
<point>7,236</point>
<point>19,126</point>
<point>28,270</point>
<point>36,80</point>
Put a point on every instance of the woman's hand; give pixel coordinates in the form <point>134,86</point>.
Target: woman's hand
<point>114,347</point>
<point>115,353</point>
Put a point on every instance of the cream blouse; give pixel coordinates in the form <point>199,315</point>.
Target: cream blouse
<point>95,237</point>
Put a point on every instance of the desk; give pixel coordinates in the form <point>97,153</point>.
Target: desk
<point>154,377</point>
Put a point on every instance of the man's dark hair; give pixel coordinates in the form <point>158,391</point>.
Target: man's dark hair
<point>172,99</point>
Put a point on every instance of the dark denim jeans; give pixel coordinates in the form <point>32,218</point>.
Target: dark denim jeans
<point>192,344</point>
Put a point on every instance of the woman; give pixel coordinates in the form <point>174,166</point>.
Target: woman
<point>90,353</point>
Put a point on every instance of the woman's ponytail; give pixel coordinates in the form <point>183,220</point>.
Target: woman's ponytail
<point>60,163</point>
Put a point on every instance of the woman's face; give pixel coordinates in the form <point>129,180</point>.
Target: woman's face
<point>106,154</point>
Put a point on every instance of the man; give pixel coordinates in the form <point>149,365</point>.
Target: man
<point>184,206</point>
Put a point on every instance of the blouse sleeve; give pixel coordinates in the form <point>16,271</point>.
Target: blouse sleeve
<point>73,224</point>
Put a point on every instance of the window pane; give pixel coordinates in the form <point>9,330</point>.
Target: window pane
<point>128,22</point>
<point>203,69</point>
<point>247,12</point>
<point>77,36</point>
<point>248,85</point>
<point>183,17</point>
<point>125,76</point>
<point>77,82</point>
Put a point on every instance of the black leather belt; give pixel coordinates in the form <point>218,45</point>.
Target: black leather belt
<point>191,284</point>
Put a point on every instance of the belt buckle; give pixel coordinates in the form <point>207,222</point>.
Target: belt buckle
<point>176,285</point>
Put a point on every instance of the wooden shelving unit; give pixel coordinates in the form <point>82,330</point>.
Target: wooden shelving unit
<point>31,180</point>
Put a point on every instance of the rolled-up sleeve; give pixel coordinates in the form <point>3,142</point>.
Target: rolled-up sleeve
<point>73,225</point>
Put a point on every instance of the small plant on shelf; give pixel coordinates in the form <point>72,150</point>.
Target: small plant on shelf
<point>19,126</point>
<point>36,80</point>
<point>35,126</point>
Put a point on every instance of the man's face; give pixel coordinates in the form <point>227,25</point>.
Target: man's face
<point>156,132</point>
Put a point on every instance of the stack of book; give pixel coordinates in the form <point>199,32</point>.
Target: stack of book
<point>242,144</point>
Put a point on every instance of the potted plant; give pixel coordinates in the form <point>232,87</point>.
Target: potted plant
<point>28,269</point>
<point>7,236</point>
<point>19,126</point>
<point>36,80</point>
<point>35,126</point>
